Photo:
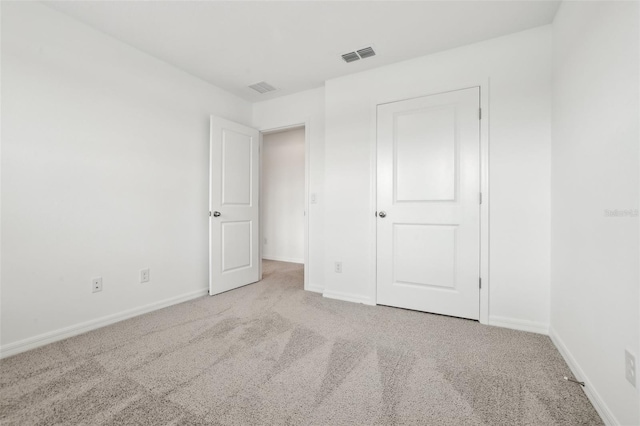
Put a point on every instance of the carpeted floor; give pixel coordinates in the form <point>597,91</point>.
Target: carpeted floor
<point>270,353</point>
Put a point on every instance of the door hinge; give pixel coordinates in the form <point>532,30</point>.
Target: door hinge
<point>481,198</point>
<point>479,113</point>
<point>479,282</point>
<point>209,212</point>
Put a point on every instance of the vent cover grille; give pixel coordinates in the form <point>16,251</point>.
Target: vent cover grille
<point>365,52</point>
<point>262,87</point>
<point>350,57</point>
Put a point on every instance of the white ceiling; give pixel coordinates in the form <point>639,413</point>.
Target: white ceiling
<point>297,45</point>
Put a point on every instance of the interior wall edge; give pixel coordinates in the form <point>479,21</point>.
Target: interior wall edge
<point>347,297</point>
<point>284,259</point>
<point>519,324</point>
<point>74,330</point>
<point>601,407</point>
<point>315,288</point>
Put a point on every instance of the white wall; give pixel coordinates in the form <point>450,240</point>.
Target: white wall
<point>594,298</point>
<point>282,204</point>
<point>304,107</point>
<point>519,69</point>
<point>104,172</point>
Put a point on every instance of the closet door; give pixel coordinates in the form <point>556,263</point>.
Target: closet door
<point>428,224</point>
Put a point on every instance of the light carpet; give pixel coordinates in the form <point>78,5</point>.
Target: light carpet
<point>271,353</point>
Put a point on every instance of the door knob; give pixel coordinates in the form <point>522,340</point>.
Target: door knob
<point>382,214</point>
<point>216,214</point>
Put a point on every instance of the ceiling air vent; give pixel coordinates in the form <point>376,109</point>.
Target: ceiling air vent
<point>262,87</point>
<point>350,57</point>
<point>363,53</point>
<point>367,52</point>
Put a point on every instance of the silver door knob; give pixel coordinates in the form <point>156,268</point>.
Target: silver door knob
<point>216,214</point>
<point>382,214</point>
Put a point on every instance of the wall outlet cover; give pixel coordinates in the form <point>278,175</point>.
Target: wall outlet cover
<point>630,367</point>
<point>96,284</point>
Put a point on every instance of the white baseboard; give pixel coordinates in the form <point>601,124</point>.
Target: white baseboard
<point>522,325</point>
<point>283,259</point>
<point>356,298</point>
<point>598,403</point>
<point>316,288</point>
<point>74,330</point>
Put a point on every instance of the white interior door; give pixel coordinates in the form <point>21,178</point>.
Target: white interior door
<point>428,225</point>
<point>234,218</point>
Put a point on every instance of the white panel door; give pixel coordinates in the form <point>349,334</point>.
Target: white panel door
<point>234,221</point>
<point>428,225</point>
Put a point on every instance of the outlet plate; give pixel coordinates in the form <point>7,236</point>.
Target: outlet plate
<point>96,284</point>
<point>338,267</point>
<point>630,367</point>
<point>144,275</point>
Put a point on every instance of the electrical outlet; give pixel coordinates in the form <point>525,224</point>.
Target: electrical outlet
<point>144,275</point>
<point>630,367</point>
<point>338,267</point>
<point>96,284</point>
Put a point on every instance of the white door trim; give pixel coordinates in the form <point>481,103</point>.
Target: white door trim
<point>484,85</point>
<point>281,128</point>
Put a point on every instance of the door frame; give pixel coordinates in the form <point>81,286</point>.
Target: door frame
<point>283,128</point>
<point>484,87</point>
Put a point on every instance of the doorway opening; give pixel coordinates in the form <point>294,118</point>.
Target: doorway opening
<point>283,196</point>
